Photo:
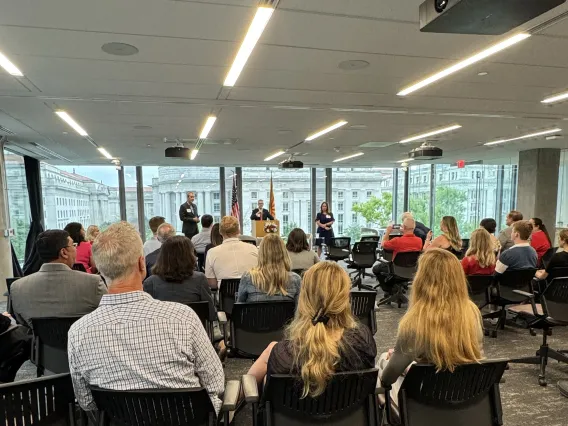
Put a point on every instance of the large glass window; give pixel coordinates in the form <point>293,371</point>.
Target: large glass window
<point>399,195</point>
<point>419,193</point>
<point>18,205</point>
<point>562,207</point>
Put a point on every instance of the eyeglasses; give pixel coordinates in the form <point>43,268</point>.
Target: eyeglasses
<point>72,245</point>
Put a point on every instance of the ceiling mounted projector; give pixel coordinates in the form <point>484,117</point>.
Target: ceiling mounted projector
<point>426,152</point>
<point>291,164</point>
<point>491,17</point>
<point>178,152</point>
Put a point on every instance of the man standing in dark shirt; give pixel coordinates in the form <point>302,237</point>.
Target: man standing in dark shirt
<point>261,213</point>
<point>189,216</point>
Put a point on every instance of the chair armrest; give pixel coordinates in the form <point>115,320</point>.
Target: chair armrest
<point>231,395</point>
<point>524,293</point>
<point>250,388</point>
<point>222,317</point>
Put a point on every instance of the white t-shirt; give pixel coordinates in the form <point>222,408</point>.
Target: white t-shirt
<point>151,245</point>
<point>230,260</point>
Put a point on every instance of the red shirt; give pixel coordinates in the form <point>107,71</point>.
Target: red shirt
<point>403,244</point>
<point>540,243</point>
<point>471,267</point>
<point>84,251</point>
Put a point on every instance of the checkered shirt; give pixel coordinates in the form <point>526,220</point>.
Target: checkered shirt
<point>132,341</point>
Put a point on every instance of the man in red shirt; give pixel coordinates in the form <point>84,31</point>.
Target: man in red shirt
<point>405,243</point>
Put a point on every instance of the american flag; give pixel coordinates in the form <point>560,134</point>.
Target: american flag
<point>234,200</point>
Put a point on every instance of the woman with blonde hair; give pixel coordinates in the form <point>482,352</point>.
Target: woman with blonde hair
<point>92,233</point>
<point>480,258</point>
<point>442,325</point>
<point>324,336</point>
<point>272,279</point>
<point>449,240</point>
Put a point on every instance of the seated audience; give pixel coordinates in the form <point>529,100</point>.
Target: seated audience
<point>174,278</point>
<point>449,240</point>
<point>133,341</point>
<point>540,239</point>
<point>301,256</point>
<point>408,242</point>
<point>271,280</point>
<point>92,233</point>
<point>83,248</point>
<point>442,325</point>
<point>56,290</point>
<point>559,259</point>
<point>153,243</point>
<point>490,225</point>
<point>201,240</point>
<point>232,258</point>
<point>164,232</point>
<point>15,347</point>
<point>324,336</point>
<point>505,238</point>
<point>420,230</point>
<point>216,238</point>
<point>480,257</point>
<point>521,255</point>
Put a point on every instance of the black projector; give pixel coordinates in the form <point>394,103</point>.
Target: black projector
<point>426,152</point>
<point>490,17</point>
<point>291,164</point>
<point>178,152</point>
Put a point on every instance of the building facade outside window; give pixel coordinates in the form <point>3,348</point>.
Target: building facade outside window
<point>18,204</point>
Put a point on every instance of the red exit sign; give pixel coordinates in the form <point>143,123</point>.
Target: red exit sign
<point>461,164</point>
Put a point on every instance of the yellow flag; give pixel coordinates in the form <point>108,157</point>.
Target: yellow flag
<point>272,204</point>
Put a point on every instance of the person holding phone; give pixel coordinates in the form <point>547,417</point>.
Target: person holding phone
<point>324,221</point>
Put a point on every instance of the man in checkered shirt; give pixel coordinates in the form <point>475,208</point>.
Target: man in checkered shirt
<point>132,341</point>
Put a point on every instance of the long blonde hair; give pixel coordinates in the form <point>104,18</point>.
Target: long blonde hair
<point>481,246</point>
<point>272,273</point>
<point>322,316</point>
<point>442,325</point>
<point>90,231</point>
<point>452,232</point>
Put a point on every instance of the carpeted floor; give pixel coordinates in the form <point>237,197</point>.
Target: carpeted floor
<point>524,401</point>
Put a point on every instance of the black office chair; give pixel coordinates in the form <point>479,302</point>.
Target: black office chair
<point>255,325</point>
<point>300,272</point>
<point>79,267</point>
<point>363,307</point>
<point>469,396</point>
<point>545,260</point>
<point>540,285</point>
<point>202,311</point>
<point>162,407</point>
<point>348,400</point>
<point>338,249</point>
<point>478,286</point>
<point>371,238</point>
<point>551,312</point>
<point>227,294</point>
<point>465,246</point>
<point>9,309</point>
<point>404,267</point>
<point>49,344</point>
<point>363,255</point>
<point>505,294</point>
<point>44,401</point>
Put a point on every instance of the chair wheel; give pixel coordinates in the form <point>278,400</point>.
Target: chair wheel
<point>532,332</point>
<point>494,334</point>
<point>486,333</point>
<point>542,381</point>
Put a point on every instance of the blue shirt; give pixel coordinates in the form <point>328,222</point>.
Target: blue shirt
<point>520,256</point>
<point>248,292</point>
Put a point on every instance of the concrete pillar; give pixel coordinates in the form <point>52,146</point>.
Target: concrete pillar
<point>5,249</point>
<point>538,184</point>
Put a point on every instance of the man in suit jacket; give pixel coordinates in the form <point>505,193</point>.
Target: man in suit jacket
<point>165,231</point>
<point>261,213</point>
<point>188,215</point>
<point>56,290</point>
<point>505,236</point>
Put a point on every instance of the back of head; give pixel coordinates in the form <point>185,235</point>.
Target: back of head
<point>481,247</point>
<point>408,224</point>
<point>271,275</point>
<point>92,232</point>
<point>117,251</point>
<point>216,237</point>
<point>50,243</point>
<point>563,236</point>
<point>176,261</point>
<point>442,325</point>
<point>323,312</point>
<point>297,241</point>
<point>523,228</point>
<point>74,229</point>
<point>229,227</point>
<point>452,232</point>
<point>206,220</point>
<point>155,223</point>
<point>489,224</point>
<point>165,231</point>
<point>406,215</point>
<point>540,224</point>
<point>515,215</point>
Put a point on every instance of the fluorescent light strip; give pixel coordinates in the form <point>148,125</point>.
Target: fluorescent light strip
<point>326,130</point>
<point>105,153</point>
<point>555,98</point>
<point>193,154</point>
<point>207,127</point>
<point>254,32</point>
<point>9,66</point>
<point>72,123</point>
<point>532,135</point>
<point>348,157</point>
<point>465,63</point>
<point>406,160</point>
<point>431,133</point>
<point>273,156</point>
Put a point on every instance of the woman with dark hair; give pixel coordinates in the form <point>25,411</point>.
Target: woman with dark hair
<point>324,221</point>
<point>216,240</point>
<point>490,225</point>
<point>299,250</point>
<point>540,240</point>
<point>84,248</point>
<point>174,278</point>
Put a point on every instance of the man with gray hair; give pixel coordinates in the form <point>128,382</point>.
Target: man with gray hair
<point>420,230</point>
<point>132,341</point>
<point>165,232</point>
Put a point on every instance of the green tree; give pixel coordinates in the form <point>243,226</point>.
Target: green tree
<point>377,211</point>
<point>353,231</point>
<point>286,229</point>
<point>19,240</point>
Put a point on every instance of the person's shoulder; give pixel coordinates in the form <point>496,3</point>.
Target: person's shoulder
<point>294,278</point>
<point>174,312</point>
<point>198,276</point>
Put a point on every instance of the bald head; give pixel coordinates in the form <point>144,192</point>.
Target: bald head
<point>408,225</point>
<point>165,231</point>
<point>406,215</point>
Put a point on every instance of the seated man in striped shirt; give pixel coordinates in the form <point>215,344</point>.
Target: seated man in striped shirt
<point>132,341</point>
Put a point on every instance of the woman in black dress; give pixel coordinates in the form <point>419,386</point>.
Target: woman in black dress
<point>324,221</point>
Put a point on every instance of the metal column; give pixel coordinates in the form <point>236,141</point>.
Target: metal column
<point>239,173</point>
<point>432,194</point>
<point>313,183</point>
<point>329,188</point>
<point>121,193</point>
<point>140,198</point>
<point>499,196</point>
<point>222,191</point>
<point>394,193</point>
<point>405,193</point>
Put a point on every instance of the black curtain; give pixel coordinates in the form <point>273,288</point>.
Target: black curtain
<point>32,261</point>
<point>16,270</point>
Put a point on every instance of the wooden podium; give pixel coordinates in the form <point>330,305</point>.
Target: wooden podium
<point>259,225</point>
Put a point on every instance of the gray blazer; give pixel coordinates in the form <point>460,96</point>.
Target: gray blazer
<point>505,238</point>
<point>56,291</point>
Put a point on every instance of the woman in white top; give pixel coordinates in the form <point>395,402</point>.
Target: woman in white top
<point>299,250</point>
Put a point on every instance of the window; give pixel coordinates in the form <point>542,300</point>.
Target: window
<point>285,194</point>
<point>355,195</point>
<point>369,194</point>
<point>340,217</point>
<point>18,204</point>
<point>285,206</point>
<point>252,207</point>
<point>216,207</point>
<point>340,207</point>
<point>562,205</point>
<point>254,195</point>
<point>354,217</point>
<point>216,196</point>
<point>285,221</point>
<point>340,195</point>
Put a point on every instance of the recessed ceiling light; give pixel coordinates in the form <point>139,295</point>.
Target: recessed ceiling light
<point>326,130</point>
<point>207,127</point>
<point>358,154</point>
<point>142,127</point>
<point>465,63</point>
<point>555,98</point>
<point>119,49</point>
<point>482,73</point>
<point>531,135</point>
<point>284,132</point>
<point>9,66</point>
<point>358,126</point>
<point>431,133</point>
<point>149,145</point>
<point>71,122</point>
<point>273,156</point>
<point>352,65</point>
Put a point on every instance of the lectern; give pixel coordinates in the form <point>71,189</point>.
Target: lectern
<point>260,228</point>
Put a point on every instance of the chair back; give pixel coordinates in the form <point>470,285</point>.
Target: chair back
<point>46,400</point>
<point>349,399</point>
<point>478,286</point>
<point>49,347</point>
<point>467,397</point>
<point>371,238</point>
<point>227,294</point>
<point>154,407</point>
<point>370,231</point>
<point>249,241</point>
<point>363,307</point>
<point>364,254</point>
<point>339,248</point>
<point>387,255</point>
<point>255,325</point>
<point>300,272</point>
<point>519,279</point>
<point>79,267</point>
<point>559,272</point>
<point>555,299</point>
<point>465,246</point>
<point>202,311</point>
<point>546,257</point>
<point>405,264</point>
